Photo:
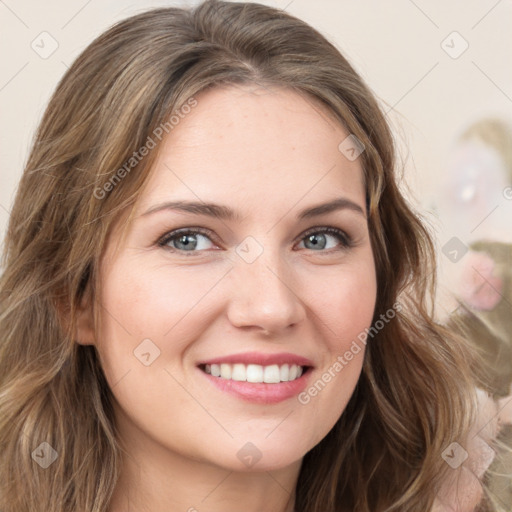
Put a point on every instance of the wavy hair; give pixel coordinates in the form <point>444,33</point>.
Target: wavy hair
<point>414,396</point>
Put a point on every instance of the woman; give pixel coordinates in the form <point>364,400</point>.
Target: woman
<point>214,295</point>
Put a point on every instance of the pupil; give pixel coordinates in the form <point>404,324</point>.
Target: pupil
<point>317,240</point>
<point>187,241</point>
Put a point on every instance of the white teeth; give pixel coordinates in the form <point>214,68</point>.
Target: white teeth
<point>225,371</point>
<point>255,373</point>
<point>284,372</point>
<point>271,374</point>
<point>239,372</point>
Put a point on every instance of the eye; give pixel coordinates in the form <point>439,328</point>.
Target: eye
<point>187,240</point>
<point>319,239</point>
<point>193,240</point>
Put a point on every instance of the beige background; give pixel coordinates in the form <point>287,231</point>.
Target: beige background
<point>396,45</point>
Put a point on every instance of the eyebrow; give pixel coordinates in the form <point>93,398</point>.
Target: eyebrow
<point>226,213</point>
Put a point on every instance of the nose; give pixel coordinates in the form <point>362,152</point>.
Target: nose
<point>264,295</point>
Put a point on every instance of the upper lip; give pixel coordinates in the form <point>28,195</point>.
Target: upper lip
<point>260,359</point>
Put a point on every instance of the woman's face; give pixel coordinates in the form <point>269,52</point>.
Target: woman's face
<point>281,276</point>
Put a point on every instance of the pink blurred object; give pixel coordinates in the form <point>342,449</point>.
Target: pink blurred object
<point>463,490</point>
<point>479,288</point>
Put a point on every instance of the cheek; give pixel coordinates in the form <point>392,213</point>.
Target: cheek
<point>148,316</point>
<point>155,302</point>
<point>343,309</point>
<point>345,303</point>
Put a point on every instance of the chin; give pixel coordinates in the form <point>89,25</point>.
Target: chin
<point>260,454</point>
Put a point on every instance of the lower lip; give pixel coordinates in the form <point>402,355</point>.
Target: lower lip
<point>262,393</point>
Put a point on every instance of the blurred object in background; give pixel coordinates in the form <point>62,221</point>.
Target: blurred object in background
<point>475,210</point>
<point>484,318</point>
<point>475,281</point>
<point>472,204</point>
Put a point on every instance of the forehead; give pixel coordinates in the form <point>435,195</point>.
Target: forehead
<point>241,143</point>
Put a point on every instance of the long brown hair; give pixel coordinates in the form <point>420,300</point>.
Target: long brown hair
<point>414,395</point>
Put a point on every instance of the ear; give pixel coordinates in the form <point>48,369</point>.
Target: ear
<point>84,326</point>
<point>83,332</point>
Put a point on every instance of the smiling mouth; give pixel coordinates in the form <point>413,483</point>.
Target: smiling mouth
<point>255,373</point>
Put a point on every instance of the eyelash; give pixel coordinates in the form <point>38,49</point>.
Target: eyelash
<point>344,238</point>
